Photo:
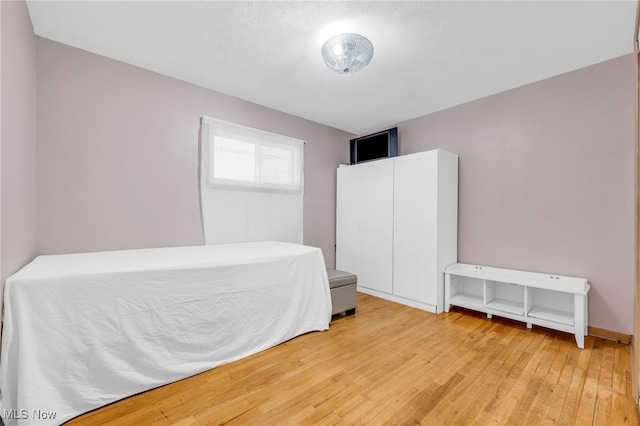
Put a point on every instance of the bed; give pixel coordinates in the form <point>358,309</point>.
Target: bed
<point>84,330</point>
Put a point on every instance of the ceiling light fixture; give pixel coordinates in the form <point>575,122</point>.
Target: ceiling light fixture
<point>347,53</point>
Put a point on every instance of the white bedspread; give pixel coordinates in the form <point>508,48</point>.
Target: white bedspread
<point>84,330</point>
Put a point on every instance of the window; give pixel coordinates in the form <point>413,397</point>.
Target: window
<point>243,158</point>
<point>251,184</point>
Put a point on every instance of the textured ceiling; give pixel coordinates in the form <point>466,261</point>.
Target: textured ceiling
<point>429,55</point>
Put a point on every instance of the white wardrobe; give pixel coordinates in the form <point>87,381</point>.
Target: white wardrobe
<point>397,226</point>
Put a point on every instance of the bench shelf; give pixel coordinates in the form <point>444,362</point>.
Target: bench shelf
<point>552,301</point>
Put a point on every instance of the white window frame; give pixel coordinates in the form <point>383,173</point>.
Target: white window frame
<point>212,128</point>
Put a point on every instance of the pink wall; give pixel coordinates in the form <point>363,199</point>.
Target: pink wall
<point>18,139</point>
<point>546,170</point>
<point>546,180</point>
<point>118,155</point>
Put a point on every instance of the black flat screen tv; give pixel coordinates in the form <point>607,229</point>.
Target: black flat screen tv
<point>378,145</point>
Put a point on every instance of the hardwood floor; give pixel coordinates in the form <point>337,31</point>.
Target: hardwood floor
<point>391,364</point>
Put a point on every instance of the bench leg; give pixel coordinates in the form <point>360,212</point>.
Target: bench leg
<point>349,312</point>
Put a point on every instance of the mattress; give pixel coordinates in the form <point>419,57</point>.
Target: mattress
<point>84,330</point>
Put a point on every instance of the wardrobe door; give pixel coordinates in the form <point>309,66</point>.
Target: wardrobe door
<point>364,223</point>
<point>415,248</point>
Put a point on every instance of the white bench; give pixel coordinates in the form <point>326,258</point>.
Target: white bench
<point>552,301</point>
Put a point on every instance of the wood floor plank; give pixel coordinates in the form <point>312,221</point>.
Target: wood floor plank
<point>478,375</point>
<point>622,412</point>
<point>576,386</point>
<point>489,384</point>
<point>500,408</point>
<point>392,364</point>
<point>587,406</point>
<point>605,385</point>
<point>535,412</point>
<point>527,402</point>
<point>528,364</point>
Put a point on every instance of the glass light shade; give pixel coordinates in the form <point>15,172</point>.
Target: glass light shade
<point>347,53</point>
